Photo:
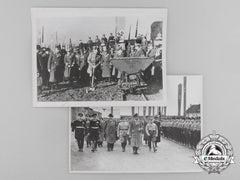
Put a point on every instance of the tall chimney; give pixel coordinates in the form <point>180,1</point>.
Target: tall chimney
<point>111,110</point>
<point>165,110</point>
<point>158,110</point>
<point>144,111</point>
<point>149,111</point>
<point>133,110</point>
<point>179,98</point>
<point>184,95</point>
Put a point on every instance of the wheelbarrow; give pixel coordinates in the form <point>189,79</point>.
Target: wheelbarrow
<point>132,68</point>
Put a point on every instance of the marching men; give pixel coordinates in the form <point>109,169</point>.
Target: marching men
<point>94,128</point>
<point>110,130</point>
<point>122,132</point>
<point>152,133</point>
<point>79,127</point>
<point>135,132</point>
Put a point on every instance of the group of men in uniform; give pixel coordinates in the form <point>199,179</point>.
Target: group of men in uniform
<point>91,62</point>
<point>94,131</point>
<point>185,131</point>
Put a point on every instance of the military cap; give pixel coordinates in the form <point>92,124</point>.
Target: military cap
<point>80,114</point>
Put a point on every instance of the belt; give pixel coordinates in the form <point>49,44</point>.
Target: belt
<point>95,127</point>
<point>80,127</point>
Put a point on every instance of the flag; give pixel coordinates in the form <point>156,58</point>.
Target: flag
<point>129,35</point>
<point>56,38</point>
<point>70,42</point>
<point>116,26</point>
<point>179,98</point>
<point>133,110</point>
<point>42,34</point>
<point>136,33</point>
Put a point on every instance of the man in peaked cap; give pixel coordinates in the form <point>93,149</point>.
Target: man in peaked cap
<point>122,132</point>
<point>135,133</point>
<point>94,128</point>
<point>55,66</point>
<point>152,132</point>
<point>139,52</point>
<point>159,129</point>
<point>79,127</point>
<point>111,131</point>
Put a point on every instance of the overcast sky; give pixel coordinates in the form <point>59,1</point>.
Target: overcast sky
<point>194,96</point>
<point>78,28</point>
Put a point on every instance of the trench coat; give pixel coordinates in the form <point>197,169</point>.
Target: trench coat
<point>106,69</point>
<point>111,131</point>
<point>159,128</point>
<point>68,59</point>
<point>93,59</point>
<point>53,61</point>
<point>145,136</point>
<point>135,132</point>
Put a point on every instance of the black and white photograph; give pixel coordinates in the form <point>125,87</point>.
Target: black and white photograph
<point>99,56</point>
<point>142,139</point>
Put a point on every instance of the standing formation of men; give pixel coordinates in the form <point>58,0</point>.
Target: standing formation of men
<point>185,131</point>
<point>89,63</point>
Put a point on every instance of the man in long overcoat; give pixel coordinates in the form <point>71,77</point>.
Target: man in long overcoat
<point>111,132</point>
<point>159,127</point>
<point>68,60</point>
<point>135,132</point>
<point>55,66</point>
<point>106,71</point>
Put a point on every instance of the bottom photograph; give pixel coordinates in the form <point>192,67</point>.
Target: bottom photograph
<point>139,139</point>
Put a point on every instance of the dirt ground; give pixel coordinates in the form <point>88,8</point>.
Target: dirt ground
<point>105,91</point>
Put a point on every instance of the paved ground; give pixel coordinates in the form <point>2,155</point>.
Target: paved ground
<point>170,157</point>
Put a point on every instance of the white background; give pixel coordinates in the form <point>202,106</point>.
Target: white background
<point>203,38</point>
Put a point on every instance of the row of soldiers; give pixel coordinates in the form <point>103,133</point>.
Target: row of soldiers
<point>89,63</point>
<point>94,131</point>
<point>185,131</point>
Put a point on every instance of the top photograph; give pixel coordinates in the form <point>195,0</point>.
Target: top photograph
<point>99,57</point>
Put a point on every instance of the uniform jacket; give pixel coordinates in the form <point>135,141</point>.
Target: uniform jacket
<point>139,53</point>
<point>159,127</point>
<point>68,59</point>
<point>135,132</point>
<point>111,130</point>
<point>122,130</point>
<point>106,71</point>
<point>151,127</point>
<point>79,127</point>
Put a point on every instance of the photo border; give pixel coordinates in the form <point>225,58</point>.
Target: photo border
<point>81,12</point>
<point>136,172</point>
